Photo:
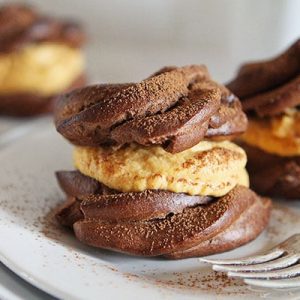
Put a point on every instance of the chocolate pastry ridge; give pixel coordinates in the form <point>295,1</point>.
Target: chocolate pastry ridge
<point>69,212</point>
<point>276,101</point>
<point>21,25</point>
<point>183,227</point>
<point>240,232</point>
<point>174,108</point>
<point>97,200</point>
<point>75,184</point>
<point>273,175</point>
<point>29,104</point>
<point>147,205</point>
<point>270,87</point>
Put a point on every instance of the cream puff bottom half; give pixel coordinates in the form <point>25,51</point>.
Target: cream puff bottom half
<point>209,168</point>
<point>43,69</point>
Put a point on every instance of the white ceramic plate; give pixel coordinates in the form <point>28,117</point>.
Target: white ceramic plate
<point>49,257</point>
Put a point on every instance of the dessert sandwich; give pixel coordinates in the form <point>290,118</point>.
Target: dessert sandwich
<point>156,173</point>
<point>270,94</point>
<point>40,57</point>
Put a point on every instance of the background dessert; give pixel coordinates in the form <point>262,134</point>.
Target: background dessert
<point>156,171</point>
<point>40,57</point>
<point>270,95</point>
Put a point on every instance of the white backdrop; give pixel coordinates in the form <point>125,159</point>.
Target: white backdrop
<point>131,38</point>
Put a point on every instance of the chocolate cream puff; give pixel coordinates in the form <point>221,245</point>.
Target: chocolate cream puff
<point>156,173</point>
<point>270,95</point>
<point>40,57</point>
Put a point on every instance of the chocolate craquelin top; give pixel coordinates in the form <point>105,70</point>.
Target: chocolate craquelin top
<point>21,25</point>
<point>175,108</point>
<point>270,87</point>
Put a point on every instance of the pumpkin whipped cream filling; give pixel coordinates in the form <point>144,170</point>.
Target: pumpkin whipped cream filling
<point>40,57</point>
<point>270,95</point>
<point>279,135</point>
<point>44,69</point>
<point>207,169</point>
<point>156,171</point>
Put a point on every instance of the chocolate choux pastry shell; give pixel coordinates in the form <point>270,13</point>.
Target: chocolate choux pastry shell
<point>270,95</point>
<point>157,174</point>
<point>156,222</point>
<point>40,57</point>
<point>175,108</point>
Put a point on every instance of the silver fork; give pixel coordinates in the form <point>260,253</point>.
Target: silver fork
<point>276,268</point>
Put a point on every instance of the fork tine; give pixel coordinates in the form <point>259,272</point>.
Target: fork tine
<point>279,263</point>
<point>276,283</point>
<point>273,254</point>
<point>275,274</point>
